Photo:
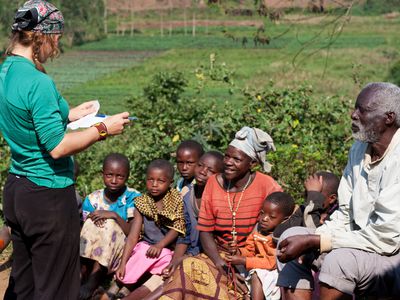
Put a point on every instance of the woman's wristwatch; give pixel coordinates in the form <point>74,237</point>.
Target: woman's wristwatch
<point>102,129</point>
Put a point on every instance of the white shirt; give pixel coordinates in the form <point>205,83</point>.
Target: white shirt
<point>368,217</point>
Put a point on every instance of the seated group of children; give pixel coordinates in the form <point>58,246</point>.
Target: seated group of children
<point>137,235</point>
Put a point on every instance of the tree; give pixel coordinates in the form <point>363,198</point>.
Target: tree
<point>7,13</point>
<point>83,19</point>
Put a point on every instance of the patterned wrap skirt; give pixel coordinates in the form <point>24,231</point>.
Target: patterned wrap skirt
<point>102,244</point>
<point>198,278</point>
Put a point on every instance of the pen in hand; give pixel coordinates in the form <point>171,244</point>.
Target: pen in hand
<point>105,116</point>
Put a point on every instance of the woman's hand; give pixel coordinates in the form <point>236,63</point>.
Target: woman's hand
<point>222,267</point>
<point>115,124</point>
<point>82,110</point>
<point>236,259</point>
<point>240,284</point>
<point>154,251</point>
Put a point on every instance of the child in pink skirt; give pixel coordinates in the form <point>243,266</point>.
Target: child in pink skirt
<point>160,211</point>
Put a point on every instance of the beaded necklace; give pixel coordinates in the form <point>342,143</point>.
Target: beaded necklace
<point>234,210</point>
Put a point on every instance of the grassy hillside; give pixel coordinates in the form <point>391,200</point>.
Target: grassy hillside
<point>118,68</point>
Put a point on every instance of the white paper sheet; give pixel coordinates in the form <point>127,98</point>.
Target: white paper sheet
<point>88,120</point>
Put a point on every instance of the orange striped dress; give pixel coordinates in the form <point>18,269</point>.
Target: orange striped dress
<point>216,216</point>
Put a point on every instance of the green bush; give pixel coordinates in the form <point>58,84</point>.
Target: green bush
<point>394,73</point>
<point>309,133</point>
<point>83,19</point>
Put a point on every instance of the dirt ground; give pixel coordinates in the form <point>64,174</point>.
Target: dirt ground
<point>143,5</point>
<point>5,268</point>
<point>177,24</point>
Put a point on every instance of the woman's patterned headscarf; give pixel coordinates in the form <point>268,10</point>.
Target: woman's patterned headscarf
<point>255,143</point>
<point>40,16</point>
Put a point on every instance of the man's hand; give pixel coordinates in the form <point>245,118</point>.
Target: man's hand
<point>297,245</point>
<point>313,183</point>
<point>236,259</point>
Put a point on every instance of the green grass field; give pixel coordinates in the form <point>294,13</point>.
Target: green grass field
<point>116,69</point>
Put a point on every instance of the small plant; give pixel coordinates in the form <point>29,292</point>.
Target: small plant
<point>166,85</point>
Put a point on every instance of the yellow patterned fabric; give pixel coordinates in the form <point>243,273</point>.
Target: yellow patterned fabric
<point>198,278</point>
<point>171,216</point>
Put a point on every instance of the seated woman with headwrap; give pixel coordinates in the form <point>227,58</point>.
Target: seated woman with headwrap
<point>230,206</point>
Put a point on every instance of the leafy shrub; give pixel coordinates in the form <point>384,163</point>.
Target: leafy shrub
<point>309,133</point>
<point>83,19</point>
<point>165,86</point>
<point>394,73</point>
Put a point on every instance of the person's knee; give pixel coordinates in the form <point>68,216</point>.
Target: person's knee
<point>295,231</point>
<point>340,270</point>
<point>340,261</point>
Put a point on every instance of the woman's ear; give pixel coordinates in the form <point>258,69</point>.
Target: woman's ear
<point>253,164</point>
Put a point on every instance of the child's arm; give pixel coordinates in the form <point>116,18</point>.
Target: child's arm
<point>248,250</point>
<point>131,241</point>
<point>267,262</point>
<point>99,215</point>
<point>155,250</point>
<point>182,245</point>
<point>87,208</point>
<point>178,256</point>
<point>314,202</point>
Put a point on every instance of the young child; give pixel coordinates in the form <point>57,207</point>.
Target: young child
<point>187,156</point>
<point>321,202</point>
<point>160,212</point>
<point>106,215</point>
<point>321,189</point>
<point>258,256</point>
<point>209,164</point>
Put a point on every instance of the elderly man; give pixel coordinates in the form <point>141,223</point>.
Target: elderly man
<point>357,250</point>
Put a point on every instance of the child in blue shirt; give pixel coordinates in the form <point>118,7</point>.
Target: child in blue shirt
<point>106,214</point>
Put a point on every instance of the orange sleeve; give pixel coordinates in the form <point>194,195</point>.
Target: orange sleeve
<point>268,262</point>
<point>249,250</point>
<point>274,186</point>
<point>206,220</point>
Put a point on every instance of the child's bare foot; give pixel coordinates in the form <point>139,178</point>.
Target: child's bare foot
<point>90,286</point>
<point>101,294</point>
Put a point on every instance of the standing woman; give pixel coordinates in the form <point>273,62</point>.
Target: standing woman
<point>39,195</point>
<point>230,206</point>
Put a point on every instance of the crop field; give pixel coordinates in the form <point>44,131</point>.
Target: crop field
<point>298,83</point>
<point>299,53</point>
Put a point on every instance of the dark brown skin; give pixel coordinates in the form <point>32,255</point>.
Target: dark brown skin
<point>366,114</point>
